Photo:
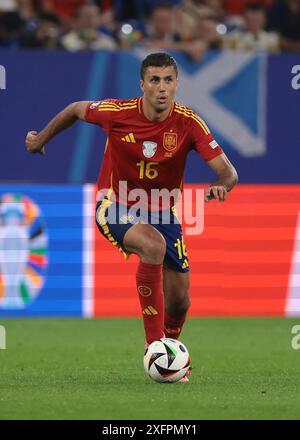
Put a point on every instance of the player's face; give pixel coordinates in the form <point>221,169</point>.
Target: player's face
<point>159,86</point>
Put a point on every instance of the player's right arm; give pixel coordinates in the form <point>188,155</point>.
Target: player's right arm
<point>35,141</point>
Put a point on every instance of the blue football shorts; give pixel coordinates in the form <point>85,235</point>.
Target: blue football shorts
<point>113,221</point>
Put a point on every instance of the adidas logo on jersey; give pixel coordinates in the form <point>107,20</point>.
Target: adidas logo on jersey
<point>128,138</point>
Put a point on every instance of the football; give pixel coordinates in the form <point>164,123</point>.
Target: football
<point>166,360</point>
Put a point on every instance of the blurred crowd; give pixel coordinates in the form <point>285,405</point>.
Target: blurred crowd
<point>191,26</point>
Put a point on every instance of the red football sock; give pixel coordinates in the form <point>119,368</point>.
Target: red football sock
<point>150,291</point>
<point>173,326</point>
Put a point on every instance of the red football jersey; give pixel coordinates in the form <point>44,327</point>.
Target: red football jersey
<point>147,155</point>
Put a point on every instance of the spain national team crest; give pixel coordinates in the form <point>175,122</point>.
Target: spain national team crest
<point>170,141</point>
<point>149,148</point>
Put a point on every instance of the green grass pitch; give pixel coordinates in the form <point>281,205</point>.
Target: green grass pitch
<point>92,369</point>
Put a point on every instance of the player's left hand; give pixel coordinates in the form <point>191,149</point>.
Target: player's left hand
<point>215,192</point>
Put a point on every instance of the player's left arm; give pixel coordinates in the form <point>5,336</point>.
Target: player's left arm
<point>227,178</point>
<point>203,142</point>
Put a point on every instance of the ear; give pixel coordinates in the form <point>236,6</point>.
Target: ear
<point>142,85</point>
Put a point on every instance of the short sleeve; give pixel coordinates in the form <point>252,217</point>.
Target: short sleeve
<point>203,141</point>
<point>100,113</point>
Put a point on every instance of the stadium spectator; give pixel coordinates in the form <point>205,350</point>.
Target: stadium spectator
<point>192,12</point>
<point>46,35</point>
<point>284,17</point>
<point>253,36</point>
<point>161,34</point>
<point>26,9</point>
<point>65,10</point>
<point>61,8</point>
<point>8,5</point>
<point>11,28</point>
<point>217,8</point>
<point>105,5</point>
<point>86,35</point>
<point>130,10</point>
<point>137,10</point>
<point>160,25</point>
<point>237,7</point>
<point>190,26</point>
<point>206,30</point>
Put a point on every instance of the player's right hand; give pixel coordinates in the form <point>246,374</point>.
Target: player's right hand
<point>33,144</point>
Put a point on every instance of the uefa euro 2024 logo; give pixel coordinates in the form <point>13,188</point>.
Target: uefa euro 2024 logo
<point>23,251</point>
<point>2,78</point>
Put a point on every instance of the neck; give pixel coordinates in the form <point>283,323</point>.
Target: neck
<point>152,114</point>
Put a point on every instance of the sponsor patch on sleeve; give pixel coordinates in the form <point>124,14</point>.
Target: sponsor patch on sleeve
<point>95,104</point>
<point>214,144</point>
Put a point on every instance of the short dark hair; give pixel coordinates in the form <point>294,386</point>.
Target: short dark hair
<point>48,16</point>
<point>159,59</point>
<point>160,5</point>
<point>254,7</point>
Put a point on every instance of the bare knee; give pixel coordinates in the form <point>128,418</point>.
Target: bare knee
<point>146,242</point>
<point>153,250</point>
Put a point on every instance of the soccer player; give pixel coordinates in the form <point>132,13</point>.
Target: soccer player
<point>149,138</point>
